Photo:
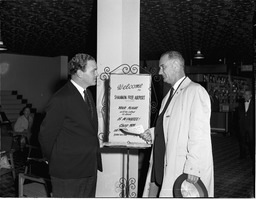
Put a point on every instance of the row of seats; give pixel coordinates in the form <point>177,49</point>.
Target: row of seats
<point>34,181</point>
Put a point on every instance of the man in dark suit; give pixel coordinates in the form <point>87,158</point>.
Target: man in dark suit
<point>69,133</point>
<point>246,125</point>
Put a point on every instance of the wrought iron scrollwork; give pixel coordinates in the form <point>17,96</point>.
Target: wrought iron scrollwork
<point>105,74</point>
<point>101,136</point>
<point>122,69</point>
<point>123,185</point>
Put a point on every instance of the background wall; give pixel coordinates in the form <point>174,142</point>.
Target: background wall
<point>35,78</point>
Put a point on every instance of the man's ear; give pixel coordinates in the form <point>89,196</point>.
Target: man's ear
<point>176,65</point>
<point>79,73</point>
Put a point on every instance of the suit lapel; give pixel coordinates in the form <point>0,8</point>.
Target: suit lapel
<point>80,100</point>
<point>78,96</point>
<point>95,117</point>
<point>182,86</point>
<point>84,107</point>
<point>250,107</point>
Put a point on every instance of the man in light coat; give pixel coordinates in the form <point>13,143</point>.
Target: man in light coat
<point>186,134</point>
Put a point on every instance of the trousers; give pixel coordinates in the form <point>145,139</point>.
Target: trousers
<point>74,188</point>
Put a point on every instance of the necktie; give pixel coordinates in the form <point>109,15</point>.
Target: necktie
<point>159,146</point>
<point>88,100</point>
<point>168,101</point>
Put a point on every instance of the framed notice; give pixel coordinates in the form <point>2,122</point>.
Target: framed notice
<point>128,109</point>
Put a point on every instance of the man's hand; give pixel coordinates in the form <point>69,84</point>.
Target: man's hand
<point>192,179</point>
<point>146,136</point>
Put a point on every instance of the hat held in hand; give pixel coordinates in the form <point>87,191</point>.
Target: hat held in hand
<point>182,188</point>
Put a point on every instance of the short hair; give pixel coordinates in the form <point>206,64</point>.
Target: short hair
<point>247,90</point>
<point>175,55</point>
<point>79,62</point>
<point>23,109</point>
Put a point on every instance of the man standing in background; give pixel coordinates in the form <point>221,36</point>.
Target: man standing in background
<point>246,110</point>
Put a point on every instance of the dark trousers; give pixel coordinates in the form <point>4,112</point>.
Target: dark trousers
<point>246,143</point>
<point>74,188</point>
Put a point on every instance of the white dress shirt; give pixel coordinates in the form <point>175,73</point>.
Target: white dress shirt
<point>79,88</point>
<point>247,105</point>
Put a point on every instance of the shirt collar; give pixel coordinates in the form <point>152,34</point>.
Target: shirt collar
<point>178,83</point>
<point>79,88</point>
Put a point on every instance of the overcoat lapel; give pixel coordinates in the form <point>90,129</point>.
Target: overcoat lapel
<point>178,92</point>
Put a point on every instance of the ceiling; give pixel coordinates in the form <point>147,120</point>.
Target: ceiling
<point>219,28</point>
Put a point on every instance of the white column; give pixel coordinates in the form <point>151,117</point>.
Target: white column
<point>117,44</point>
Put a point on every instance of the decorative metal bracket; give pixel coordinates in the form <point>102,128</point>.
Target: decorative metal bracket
<point>122,69</point>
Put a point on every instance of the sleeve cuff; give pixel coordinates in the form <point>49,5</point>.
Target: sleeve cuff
<point>189,169</point>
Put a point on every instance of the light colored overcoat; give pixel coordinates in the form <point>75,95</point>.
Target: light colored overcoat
<point>187,136</point>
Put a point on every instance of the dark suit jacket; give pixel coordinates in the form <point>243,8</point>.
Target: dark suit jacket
<point>69,137</point>
<point>246,119</point>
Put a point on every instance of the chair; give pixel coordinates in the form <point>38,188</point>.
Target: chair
<point>17,136</point>
<point>37,188</point>
<point>6,155</point>
<point>35,181</point>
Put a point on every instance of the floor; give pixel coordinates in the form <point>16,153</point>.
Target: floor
<point>233,177</point>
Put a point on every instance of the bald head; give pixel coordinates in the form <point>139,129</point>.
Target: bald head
<point>171,66</point>
<point>175,56</point>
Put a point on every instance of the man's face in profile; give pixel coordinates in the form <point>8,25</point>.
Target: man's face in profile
<point>247,95</point>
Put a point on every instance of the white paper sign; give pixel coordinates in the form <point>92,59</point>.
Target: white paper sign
<point>129,108</point>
